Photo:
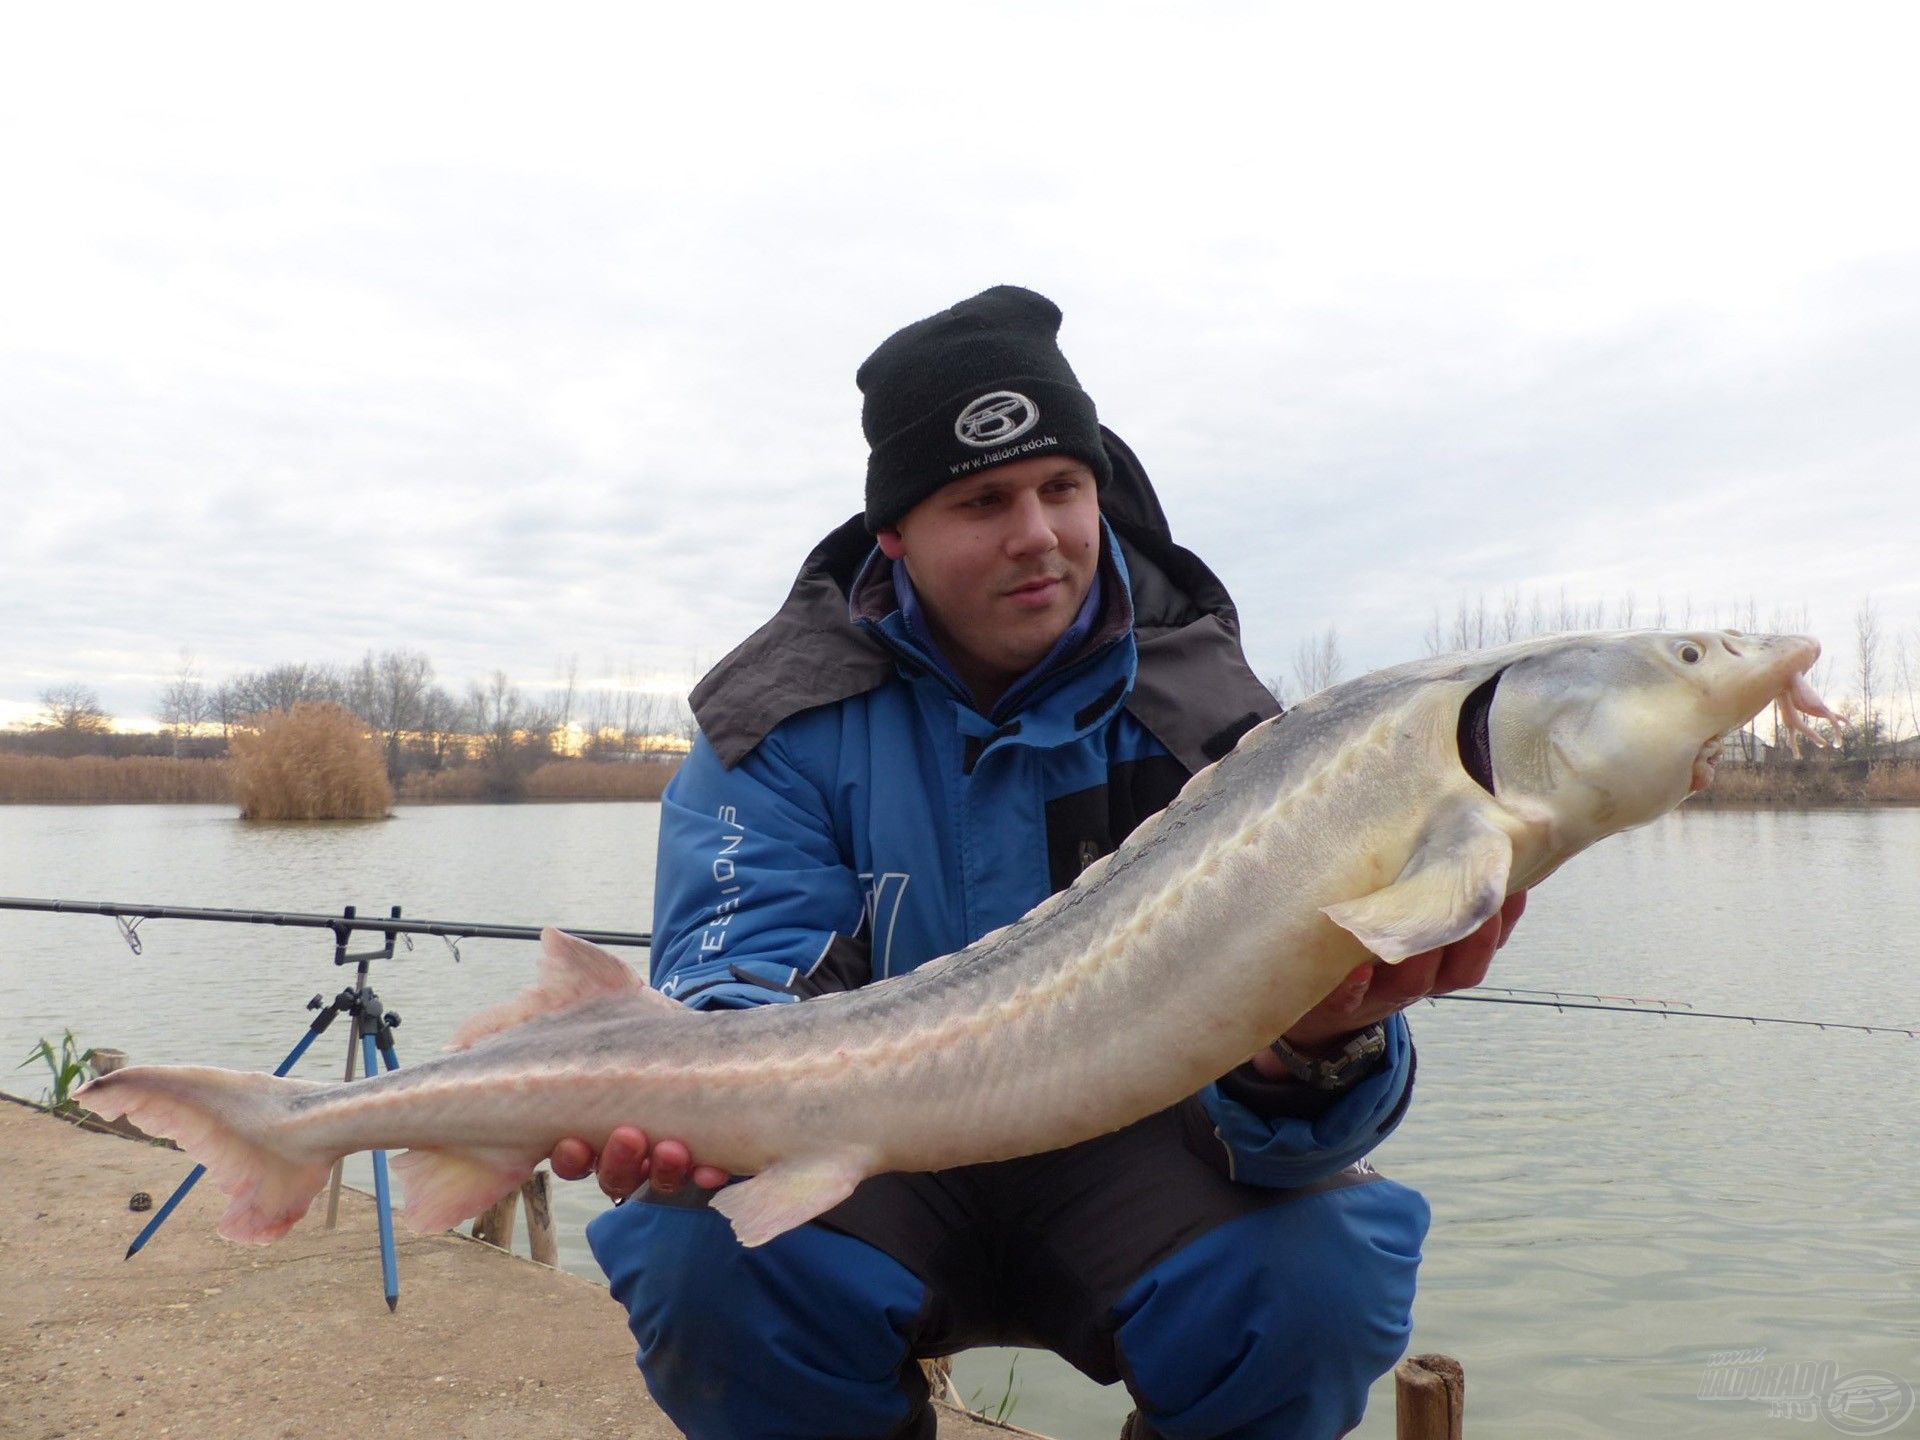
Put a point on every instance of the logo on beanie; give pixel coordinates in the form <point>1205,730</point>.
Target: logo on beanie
<point>996,418</point>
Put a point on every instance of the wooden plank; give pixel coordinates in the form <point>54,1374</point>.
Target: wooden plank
<point>495,1226</point>
<point>542,1244</point>
<point>1430,1398</point>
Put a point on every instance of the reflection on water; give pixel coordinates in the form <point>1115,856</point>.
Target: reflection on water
<point>1617,1198</point>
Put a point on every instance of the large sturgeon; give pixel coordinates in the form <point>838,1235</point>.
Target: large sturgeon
<point>1383,817</point>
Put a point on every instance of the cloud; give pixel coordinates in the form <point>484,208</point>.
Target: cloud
<point>514,344</point>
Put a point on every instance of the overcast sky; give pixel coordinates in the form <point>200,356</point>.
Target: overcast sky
<point>511,339</point>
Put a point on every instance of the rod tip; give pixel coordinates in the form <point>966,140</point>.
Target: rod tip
<point>393,1303</point>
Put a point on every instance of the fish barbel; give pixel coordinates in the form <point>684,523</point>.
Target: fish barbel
<point>1381,818</point>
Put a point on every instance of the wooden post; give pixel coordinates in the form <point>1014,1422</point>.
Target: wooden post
<point>105,1062</point>
<point>939,1373</point>
<point>1430,1398</point>
<point>495,1226</point>
<point>541,1242</point>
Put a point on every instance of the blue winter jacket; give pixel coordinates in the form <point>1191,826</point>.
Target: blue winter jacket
<point>855,839</point>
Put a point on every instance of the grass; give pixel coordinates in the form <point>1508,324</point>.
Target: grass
<point>100,779</point>
<point>313,762</point>
<point>68,1066</point>
<point>1001,1411</point>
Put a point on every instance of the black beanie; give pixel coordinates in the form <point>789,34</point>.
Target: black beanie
<point>974,386</point>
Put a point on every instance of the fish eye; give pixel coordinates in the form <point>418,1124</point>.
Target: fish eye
<point>1689,653</point>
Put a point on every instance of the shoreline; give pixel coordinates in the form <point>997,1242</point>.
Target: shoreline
<point>234,1341</point>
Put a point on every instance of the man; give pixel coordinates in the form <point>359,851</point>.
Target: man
<point>974,691</point>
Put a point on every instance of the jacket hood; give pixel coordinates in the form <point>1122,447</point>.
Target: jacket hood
<point>1193,690</point>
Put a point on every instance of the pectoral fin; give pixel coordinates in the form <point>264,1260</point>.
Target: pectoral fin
<point>789,1193</point>
<point>1454,882</point>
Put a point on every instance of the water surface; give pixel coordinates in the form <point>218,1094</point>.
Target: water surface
<point>1619,1201</point>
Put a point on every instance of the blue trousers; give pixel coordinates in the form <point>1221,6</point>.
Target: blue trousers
<point>1269,1325</point>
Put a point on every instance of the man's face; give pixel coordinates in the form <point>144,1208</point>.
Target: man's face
<point>1001,562</point>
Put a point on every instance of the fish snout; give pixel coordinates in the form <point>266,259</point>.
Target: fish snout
<point>1753,671</point>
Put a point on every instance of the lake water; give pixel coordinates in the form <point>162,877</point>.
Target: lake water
<point>1637,1221</point>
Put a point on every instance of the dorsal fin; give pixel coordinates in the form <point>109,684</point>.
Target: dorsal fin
<point>572,972</point>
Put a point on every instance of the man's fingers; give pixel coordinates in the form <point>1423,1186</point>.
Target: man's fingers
<point>1397,986</point>
<point>1465,962</point>
<point>1510,914</point>
<point>623,1162</point>
<point>709,1177</point>
<point>573,1159</point>
<point>1351,992</point>
<point>670,1165</point>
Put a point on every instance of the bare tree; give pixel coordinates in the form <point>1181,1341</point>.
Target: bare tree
<point>71,717</point>
<point>512,732</point>
<point>600,711</point>
<point>1470,626</point>
<point>1317,663</point>
<point>184,704</point>
<point>442,722</point>
<point>284,686</point>
<point>225,707</point>
<point>1903,680</point>
<point>393,690</point>
<point>1866,639</point>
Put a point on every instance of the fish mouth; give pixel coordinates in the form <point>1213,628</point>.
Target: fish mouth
<point>1779,679</point>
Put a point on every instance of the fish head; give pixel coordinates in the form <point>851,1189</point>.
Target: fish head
<point>1598,733</point>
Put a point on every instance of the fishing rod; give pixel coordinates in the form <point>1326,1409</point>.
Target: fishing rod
<point>129,916</point>
<point>1686,1014</point>
<point>1584,995</point>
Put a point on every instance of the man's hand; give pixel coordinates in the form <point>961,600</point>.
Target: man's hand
<point>629,1160</point>
<point>1376,990</point>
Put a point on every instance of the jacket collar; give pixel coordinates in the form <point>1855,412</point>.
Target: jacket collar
<point>1193,688</point>
<point>884,603</point>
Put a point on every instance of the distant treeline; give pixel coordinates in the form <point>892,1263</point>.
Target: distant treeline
<point>150,779</point>
<point>496,730</point>
<point>1878,699</point>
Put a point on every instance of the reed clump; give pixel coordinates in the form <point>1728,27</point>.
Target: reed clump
<point>315,761</point>
<point>109,780</point>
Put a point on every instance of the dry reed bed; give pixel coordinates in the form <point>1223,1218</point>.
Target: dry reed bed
<point>555,780</point>
<point>99,779</point>
<point>1815,784</point>
<point>313,762</point>
<point>601,780</point>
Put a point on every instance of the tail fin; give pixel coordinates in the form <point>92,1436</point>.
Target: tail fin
<point>225,1119</point>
